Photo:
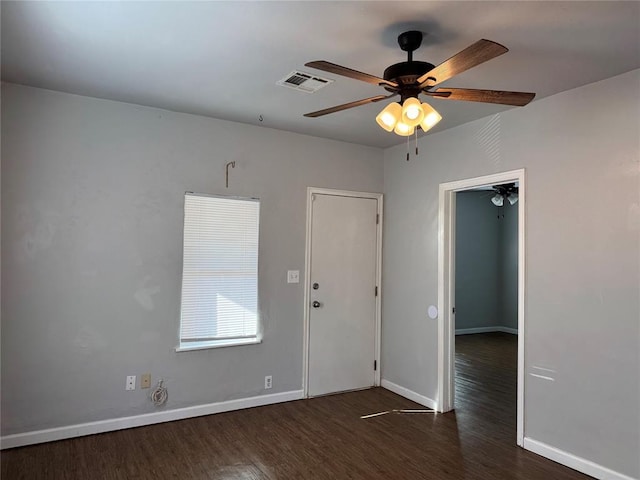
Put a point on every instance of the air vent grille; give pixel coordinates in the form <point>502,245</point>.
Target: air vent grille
<point>303,82</point>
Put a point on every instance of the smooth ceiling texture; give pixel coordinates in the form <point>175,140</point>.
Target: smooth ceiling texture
<point>222,59</point>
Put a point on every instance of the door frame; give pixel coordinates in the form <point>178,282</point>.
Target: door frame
<point>446,287</point>
<point>307,277</point>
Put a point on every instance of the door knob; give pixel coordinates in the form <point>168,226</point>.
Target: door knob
<point>316,304</point>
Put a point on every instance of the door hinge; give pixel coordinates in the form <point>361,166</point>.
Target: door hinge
<point>375,365</point>
<point>376,291</point>
<point>377,218</point>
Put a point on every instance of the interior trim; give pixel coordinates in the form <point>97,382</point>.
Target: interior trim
<point>469,331</point>
<point>409,394</point>
<point>446,287</point>
<point>573,461</point>
<point>113,424</point>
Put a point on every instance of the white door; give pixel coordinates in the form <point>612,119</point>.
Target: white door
<point>342,312</point>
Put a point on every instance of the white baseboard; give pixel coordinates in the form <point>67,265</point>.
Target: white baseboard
<point>469,331</point>
<point>410,394</point>
<point>71,431</point>
<point>572,461</point>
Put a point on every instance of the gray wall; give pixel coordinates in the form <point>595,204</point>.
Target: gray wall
<point>477,261</point>
<point>92,212</point>
<point>508,266</point>
<point>582,157</point>
<point>486,262</point>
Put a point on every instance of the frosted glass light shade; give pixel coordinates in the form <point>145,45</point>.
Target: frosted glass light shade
<point>498,200</point>
<point>431,117</point>
<point>403,129</point>
<point>513,198</point>
<point>412,112</point>
<point>389,116</point>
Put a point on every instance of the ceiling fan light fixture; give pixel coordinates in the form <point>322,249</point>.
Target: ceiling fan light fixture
<point>431,117</point>
<point>389,116</point>
<point>403,129</point>
<point>498,200</point>
<point>412,112</point>
<point>513,198</point>
<point>412,78</point>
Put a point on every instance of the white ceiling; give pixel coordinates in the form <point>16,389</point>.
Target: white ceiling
<point>222,59</point>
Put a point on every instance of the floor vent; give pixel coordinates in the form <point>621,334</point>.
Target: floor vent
<point>304,82</point>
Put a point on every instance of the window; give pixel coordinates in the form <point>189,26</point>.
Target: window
<point>220,272</point>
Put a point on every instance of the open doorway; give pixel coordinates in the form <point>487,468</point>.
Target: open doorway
<point>486,305</point>
<point>489,315</point>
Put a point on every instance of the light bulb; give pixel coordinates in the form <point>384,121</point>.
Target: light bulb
<point>412,113</point>
<point>388,119</point>
<point>431,117</point>
<point>389,116</point>
<point>403,129</point>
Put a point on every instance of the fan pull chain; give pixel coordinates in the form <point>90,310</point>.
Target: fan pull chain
<point>407,148</point>
<point>416,142</point>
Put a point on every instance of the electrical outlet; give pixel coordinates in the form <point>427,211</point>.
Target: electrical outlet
<point>131,382</point>
<point>268,382</point>
<point>145,380</point>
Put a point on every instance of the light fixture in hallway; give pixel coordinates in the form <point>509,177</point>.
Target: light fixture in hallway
<point>508,191</point>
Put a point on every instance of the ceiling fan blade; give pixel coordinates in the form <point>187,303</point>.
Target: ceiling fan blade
<point>345,106</point>
<point>348,72</point>
<point>473,55</point>
<point>437,94</point>
<point>517,99</point>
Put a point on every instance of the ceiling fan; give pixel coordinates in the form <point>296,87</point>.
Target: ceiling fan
<point>413,78</point>
<point>508,191</point>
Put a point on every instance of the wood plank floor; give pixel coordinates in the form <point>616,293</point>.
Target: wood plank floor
<point>321,438</point>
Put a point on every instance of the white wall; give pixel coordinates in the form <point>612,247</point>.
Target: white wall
<point>581,153</point>
<point>92,199</point>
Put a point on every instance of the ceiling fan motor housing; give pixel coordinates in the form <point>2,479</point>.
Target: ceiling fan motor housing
<point>506,189</point>
<point>405,74</point>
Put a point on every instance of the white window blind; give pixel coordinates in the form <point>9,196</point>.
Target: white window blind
<point>220,271</point>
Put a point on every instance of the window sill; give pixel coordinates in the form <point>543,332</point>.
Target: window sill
<point>216,344</point>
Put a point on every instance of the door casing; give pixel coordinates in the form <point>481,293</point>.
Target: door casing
<point>446,287</point>
<point>307,277</point>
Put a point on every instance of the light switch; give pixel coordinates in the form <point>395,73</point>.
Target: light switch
<point>293,276</point>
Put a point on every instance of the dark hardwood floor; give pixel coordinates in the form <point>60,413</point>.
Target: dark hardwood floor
<point>486,384</point>
<point>320,438</point>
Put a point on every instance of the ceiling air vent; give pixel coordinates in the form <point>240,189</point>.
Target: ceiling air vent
<point>304,82</point>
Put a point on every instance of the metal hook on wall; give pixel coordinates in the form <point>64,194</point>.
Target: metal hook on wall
<point>233,165</point>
